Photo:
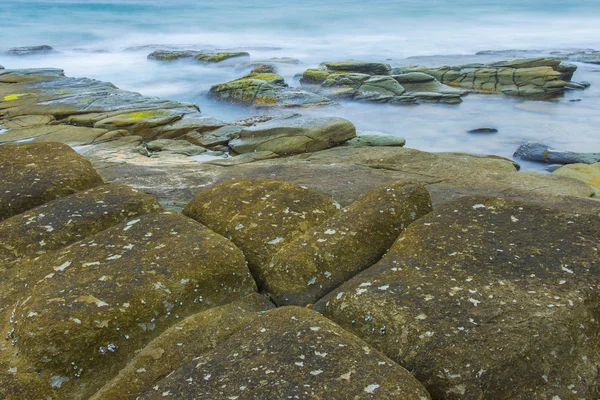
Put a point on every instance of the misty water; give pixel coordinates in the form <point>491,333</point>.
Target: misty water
<point>110,40</point>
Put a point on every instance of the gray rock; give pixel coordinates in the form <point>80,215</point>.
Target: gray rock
<point>368,138</point>
<point>534,151</point>
<point>30,50</point>
<point>385,85</point>
<point>172,146</point>
<point>483,130</point>
<point>359,67</point>
<point>217,137</point>
<point>294,134</point>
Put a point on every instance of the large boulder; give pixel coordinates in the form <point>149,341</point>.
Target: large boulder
<point>588,173</point>
<point>83,311</point>
<point>36,173</point>
<point>294,134</point>
<point>30,50</point>
<point>201,56</point>
<point>259,215</point>
<point>66,220</point>
<point>290,352</point>
<point>386,85</point>
<point>535,151</point>
<point>370,68</point>
<point>320,260</point>
<point>180,344</point>
<point>485,298</point>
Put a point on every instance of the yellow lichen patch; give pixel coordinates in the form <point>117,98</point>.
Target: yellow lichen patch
<point>14,96</point>
<point>143,115</point>
<point>64,91</point>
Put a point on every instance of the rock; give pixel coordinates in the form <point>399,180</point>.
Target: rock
<point>217,137</point>
<point>588,173</point>
<point>195,335</point>
<point>66,220</point>
<point>71,135</point>
<point>359,67</point>
<point>386,85</point>
<point>413,77</point>
<point>27,121</point>
<point>244,158</point>
<point>484,298</point>
<point>483,130</point>
<point>323,258</point>
<point>192,122</point>
<point>308,357</point>
<point>218,57</point>
<point>265,90</point>
<point>30,75</point>
<point>294,134</point>
<point>172,55</point>
<point>36,173</point>
<point>375,139</point>
<point>259,215</point>
<point>172,146</point>
<point>428,89</point>
<point>31,50</point>
<point>350,80</point>
<point>263,69</point>
<point>116,291</point>
<point>534,151</point>
<point>529,77</point>
<point>314,76</point>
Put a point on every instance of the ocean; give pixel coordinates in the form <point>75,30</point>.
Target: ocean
<point>110,40</point>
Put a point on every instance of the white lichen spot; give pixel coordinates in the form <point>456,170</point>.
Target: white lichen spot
<point>299,363</point>
<point>207,377</point>
<point>312,281</point>
<point>365,284</point>
<point>315,329</point>
<point>57,381</point>
<point>91,263</point>
<point>514,219</point>
<point>371,388</point>
<point>476,206</point>
<point>421,317</point>
<point>330,231</point>
<point>140,370</point>
<point>321,354</point>
<point>474,301</point>
<point>275,241</point>
<point>339,295</point>
<point>384,287</point>
<point>63,266</point>
<point>12,370</point>
<point>327,274</point>
<point>566,269</point>
<point>316,372</point>
<point>361,291</point>
<point>113,257</point>
<point>239,226</point>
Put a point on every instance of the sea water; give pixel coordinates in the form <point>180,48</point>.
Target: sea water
<point>109,40</point>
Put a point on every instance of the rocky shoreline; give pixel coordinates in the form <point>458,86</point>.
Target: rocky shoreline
<point>182,256</point>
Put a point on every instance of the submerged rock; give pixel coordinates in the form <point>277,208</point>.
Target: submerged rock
<point>484,298</point>
<point>172,55</point>
<point>320,260</point>
<point>259,215</point>
<point>180,344</point>
<point>483,130</point>
<point>201,56</point>
<point>30,50</point>
<point>534,151</point>
<point>36,173</point>
<point>294,134</point>
<point>290,352</point>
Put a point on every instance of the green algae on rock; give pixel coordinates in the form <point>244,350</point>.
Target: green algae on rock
<point>94,303</point>
<point>260,215</point>
<point>359,67</point>
<point>220,56</point>
<point>485,298</point>
<point>290,352</point>
<point>66,220</point>
<point>183,342</point>
<point>323,258</point>
<point>294,133</point>
<point>35,173</point>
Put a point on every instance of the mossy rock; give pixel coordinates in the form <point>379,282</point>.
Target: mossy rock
<point>290,352</point>
<point>485,298</point>
<point>293,134</point>
<point>382,84</point>
<point>218,57</point>
<point>264,68</point>
<point>66,220</point>
<point>36,173</point>
<point>183,342</point>
<point>375,139</point>
<point>94,303</point>
<point>172,55</point>
<point>137,122</point>
<point>27,121</point>
<point>314,76</point>
<point>351,80</point>
<point>359,67</point>
<point>323,258</point>
<point>260,215</point>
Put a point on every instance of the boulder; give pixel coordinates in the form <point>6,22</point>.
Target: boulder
<point>30,50</point>
<point>36,173</point>
<point>375,139</point>
<point>66,220</point>
<point>386,85</point>
<point>485,298</point>
<point>180,344</point>
<point>27,121</point>
<point>93,304</point>
<point>534,151</point>
<point>349,80</point>
<point>290,352</point>
<point>172,55</point>
<point>206,57</point>
<point>292,134</point>
<point>264,90</point>
<point>588,173</point>
<point>483,130</point>
<point>220,136</point>
<point>259,215</point>
<point>172,146</point>
<point>323,258</point>
<point>359,67</point>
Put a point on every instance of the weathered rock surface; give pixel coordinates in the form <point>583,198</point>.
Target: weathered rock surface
<point>359,67</point>
<point>320,260</point>
<point>290,352</point>
<point>578,55</point>
<point>535,151</point>
<point>172,146</point>
<point>375,139</point>
<point>529,77</point>
<point>293,134</point>
<point>265,90</point>
<point>183,342</point>
<point>35,173</point>
<point>201,56</point>
<point>92,304</point>
<point>259,215</point>
<point>485,298</point>
<point>66,220</point>
<point>31,50</point>
<point>217,137</point>
<point>71,135</point>
<point>588,173</point>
